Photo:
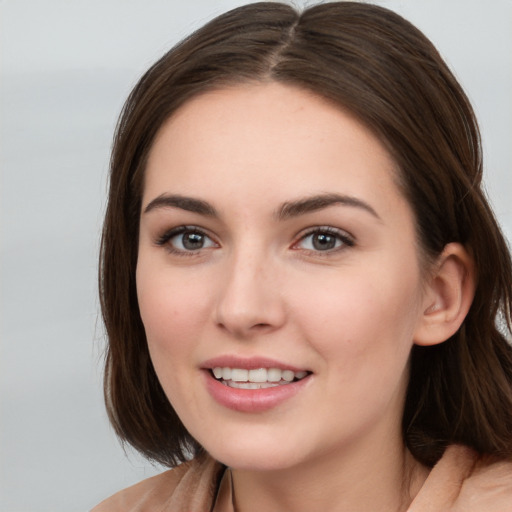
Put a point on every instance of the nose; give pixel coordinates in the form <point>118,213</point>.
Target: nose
<point>250,301</point>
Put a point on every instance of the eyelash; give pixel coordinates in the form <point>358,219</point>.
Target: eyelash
<point>166,238</point>
<point>340,237</point>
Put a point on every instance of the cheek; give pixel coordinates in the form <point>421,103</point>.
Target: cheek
<point>174,313</point>
<point>173,308</point>
<point>362,314</point>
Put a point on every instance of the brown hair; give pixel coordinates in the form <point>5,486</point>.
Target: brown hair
<point>374,63</point>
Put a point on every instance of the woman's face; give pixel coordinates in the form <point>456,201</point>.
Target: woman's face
<point>275,246</point>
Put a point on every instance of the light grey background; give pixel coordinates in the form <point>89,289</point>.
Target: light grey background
<point>66,67</point>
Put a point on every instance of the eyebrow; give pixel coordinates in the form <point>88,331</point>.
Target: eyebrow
<point>189,204</point>
<point>319,202</point>
<point>287,210</point>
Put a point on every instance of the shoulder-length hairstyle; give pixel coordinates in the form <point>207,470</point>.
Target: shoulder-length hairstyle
<point>372,62</point>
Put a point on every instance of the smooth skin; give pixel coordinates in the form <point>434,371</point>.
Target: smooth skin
<point>247,265</point>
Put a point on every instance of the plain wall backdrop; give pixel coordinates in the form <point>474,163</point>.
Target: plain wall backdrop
<point>66,68</point>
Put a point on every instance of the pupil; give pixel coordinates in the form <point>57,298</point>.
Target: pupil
<point>193,241</point>
<point>323,242</point>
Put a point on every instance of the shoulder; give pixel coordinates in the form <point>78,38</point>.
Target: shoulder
<point>191,486</point>
<point>463,481</point>
<point>488,487</point>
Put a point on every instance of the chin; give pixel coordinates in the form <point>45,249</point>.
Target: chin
<point>255,461</point>
<point>251,455</point>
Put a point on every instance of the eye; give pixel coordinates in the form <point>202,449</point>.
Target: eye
<point>324,239</point>
<point>186,239</point>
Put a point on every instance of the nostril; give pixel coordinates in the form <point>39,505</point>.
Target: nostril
<point>260,327</point>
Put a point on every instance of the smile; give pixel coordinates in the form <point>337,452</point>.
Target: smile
<point>253,385</point>
<point>259,378</point>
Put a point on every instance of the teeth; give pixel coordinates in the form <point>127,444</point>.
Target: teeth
<point>257,376</point>
<point>250,385</point>
<point>288,375</point>
<point>274,374</point>
<point>239,375</point>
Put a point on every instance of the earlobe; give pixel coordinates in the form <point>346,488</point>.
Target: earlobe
<point>448,296</point>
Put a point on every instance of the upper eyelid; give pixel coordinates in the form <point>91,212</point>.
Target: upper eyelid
<point>325,228</point>
<point>347,239</point>
<point>178,230</point>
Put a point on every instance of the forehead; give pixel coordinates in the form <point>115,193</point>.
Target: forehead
<point>268,139</point>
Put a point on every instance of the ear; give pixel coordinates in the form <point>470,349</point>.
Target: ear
<point>449,292</point>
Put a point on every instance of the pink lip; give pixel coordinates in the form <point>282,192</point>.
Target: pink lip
<point>250,400</point>
<point>251,363</point>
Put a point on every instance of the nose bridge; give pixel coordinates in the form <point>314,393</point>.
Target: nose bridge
<point>250,299</point>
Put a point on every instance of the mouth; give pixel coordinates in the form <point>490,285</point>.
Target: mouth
<point>257,378</point>
<point>254,384</point>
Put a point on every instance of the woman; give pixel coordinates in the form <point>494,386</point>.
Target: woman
<point>304,288</point>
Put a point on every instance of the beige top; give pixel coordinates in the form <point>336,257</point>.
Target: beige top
<point>459,482</point>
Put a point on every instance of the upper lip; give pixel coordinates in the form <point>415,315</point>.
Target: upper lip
<point>249,363</point>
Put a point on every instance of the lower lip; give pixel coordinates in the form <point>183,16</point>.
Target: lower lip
<point>252,400</point>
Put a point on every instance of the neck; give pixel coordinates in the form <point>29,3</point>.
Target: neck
<point>372,480</point>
